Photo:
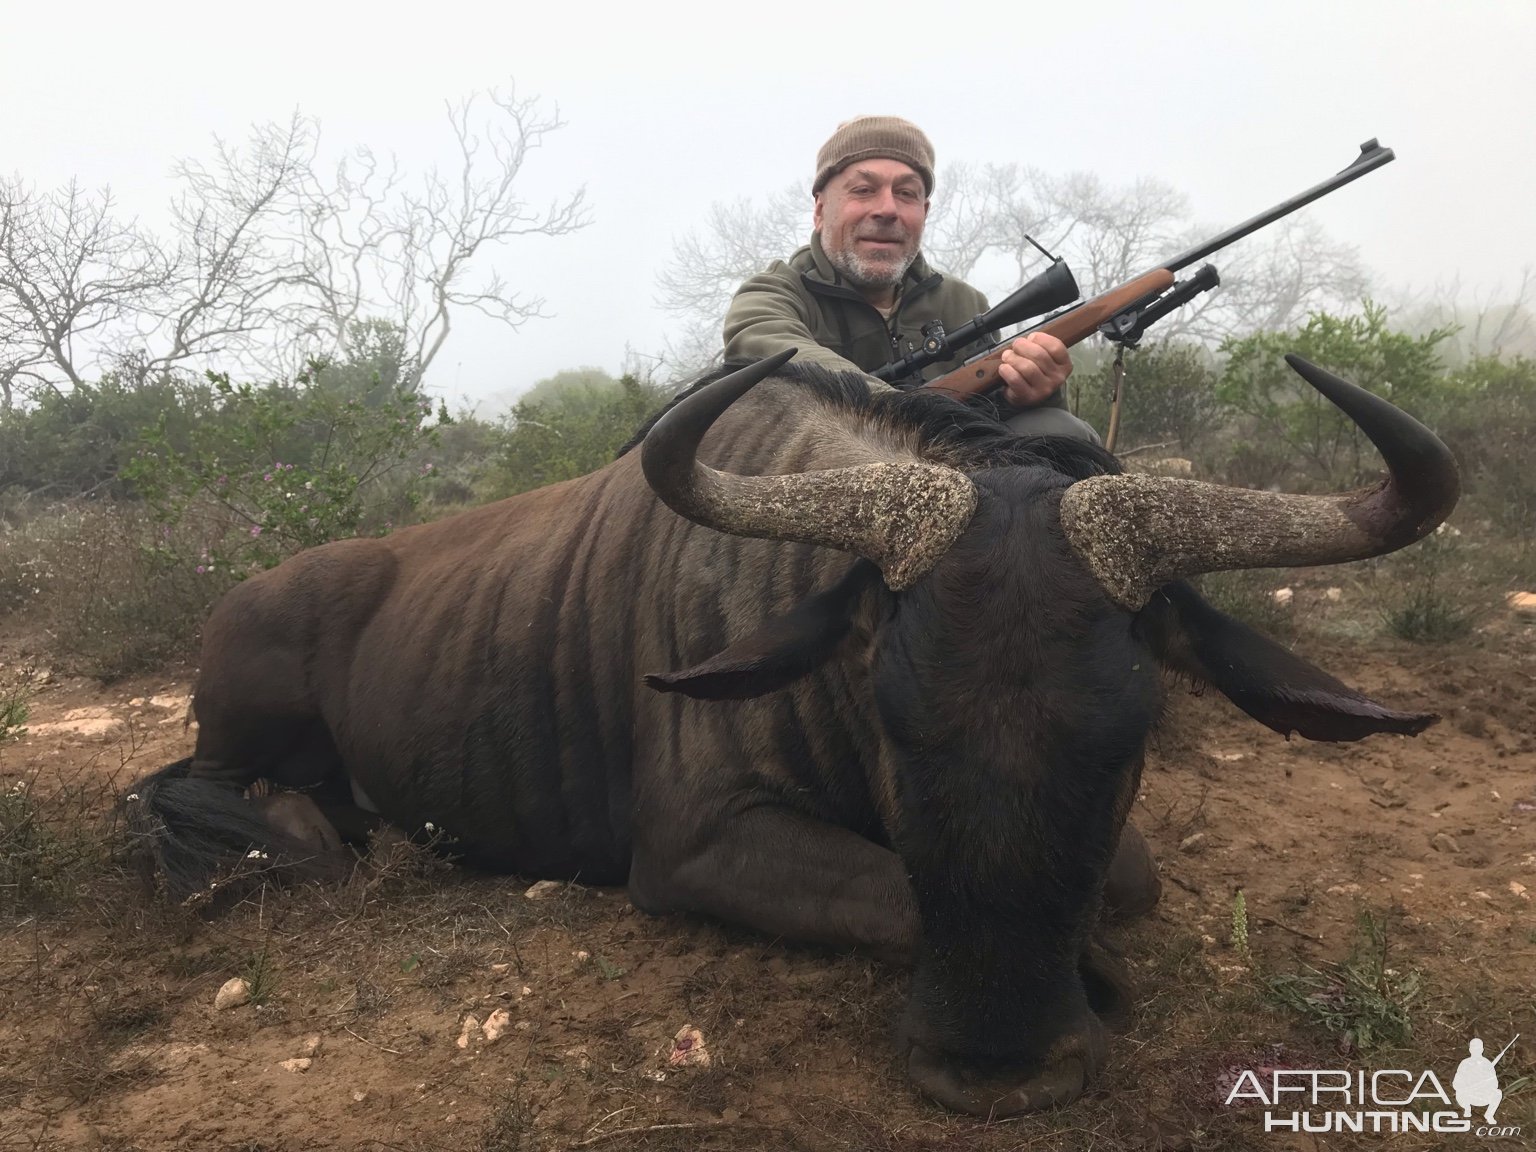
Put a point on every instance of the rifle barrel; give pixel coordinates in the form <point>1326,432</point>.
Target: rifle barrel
<point>1372,156</point>
<point>1506,1048</point>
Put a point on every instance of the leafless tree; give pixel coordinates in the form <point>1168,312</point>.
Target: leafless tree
<point>270,257</point>
<point>69,272</point>
<point>1494,322</point>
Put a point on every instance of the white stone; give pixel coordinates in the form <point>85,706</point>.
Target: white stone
<point>543,889</point>
<point>297,1064</point>
<point>234,992</point>
<point>495,1024</point>
<point>470,1025</point>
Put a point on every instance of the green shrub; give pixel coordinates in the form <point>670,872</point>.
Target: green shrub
<point>1274,408</point>
<point>1491,426</point>
<point>1169,395</point>
<point>286,467</point>
<point>1364,1000</point>
<point>1428,589</point>
<point>115,589</point>
<point>570,435</point>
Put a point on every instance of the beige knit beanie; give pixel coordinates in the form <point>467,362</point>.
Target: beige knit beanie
<point>865,137</point>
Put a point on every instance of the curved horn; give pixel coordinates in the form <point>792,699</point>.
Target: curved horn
<point>902,516</point>
<point>1138,532</point>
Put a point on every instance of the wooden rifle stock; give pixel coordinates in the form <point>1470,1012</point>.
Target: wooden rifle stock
<point>1070,327</point>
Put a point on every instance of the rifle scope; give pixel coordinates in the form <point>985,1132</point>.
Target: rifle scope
<point>1054,288</point>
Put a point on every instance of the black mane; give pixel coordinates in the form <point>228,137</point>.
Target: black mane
<point>969,431</point>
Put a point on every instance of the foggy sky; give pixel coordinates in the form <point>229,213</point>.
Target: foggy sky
<point>672,106</point>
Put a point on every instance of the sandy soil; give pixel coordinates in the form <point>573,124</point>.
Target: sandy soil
<point>109,1038</point>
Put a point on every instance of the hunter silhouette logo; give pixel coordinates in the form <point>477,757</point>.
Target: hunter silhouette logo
<point>1384,1100</point>
<point>1477,1084</point>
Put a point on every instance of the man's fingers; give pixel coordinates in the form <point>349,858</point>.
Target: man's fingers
<point>1033,368</point>
<point>1045,350</point>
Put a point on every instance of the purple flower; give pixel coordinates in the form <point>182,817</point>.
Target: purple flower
<point>268,476</point>
<point>255,529</point>
<point>200,569</point>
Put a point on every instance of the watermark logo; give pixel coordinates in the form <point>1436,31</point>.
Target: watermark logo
<point>1477,1081</point>
<point>1388,1100</point>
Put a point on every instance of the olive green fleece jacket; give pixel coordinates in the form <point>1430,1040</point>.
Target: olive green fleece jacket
<point>805,303</point>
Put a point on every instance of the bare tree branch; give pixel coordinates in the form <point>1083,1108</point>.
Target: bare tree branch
<point>270,260</point>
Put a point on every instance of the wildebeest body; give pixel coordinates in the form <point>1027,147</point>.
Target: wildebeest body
<point>929,758</point>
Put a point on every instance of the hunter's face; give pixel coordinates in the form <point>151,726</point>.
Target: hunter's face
<point>870,216</point>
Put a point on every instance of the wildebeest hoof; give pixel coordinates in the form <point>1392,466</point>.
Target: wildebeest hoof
<point>1133,886</point>
<point>995,1095</point>
<point>1108,984</point>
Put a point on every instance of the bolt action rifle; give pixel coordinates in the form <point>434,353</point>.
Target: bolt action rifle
<point>1121,315</point>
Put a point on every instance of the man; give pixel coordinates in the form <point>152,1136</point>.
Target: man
<point>857,296</point>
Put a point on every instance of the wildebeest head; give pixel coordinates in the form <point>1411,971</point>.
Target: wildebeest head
<point>1014,656</point>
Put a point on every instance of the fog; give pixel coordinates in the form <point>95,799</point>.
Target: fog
<point>671,106</point>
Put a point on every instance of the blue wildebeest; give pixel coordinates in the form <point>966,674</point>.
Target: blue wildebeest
<point>926,749</point>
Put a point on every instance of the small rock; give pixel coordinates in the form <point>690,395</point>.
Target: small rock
<point>527,991</point>
<point>470,1024</point>
<point>1444,842</point>
<point>543,889</point>
<point>298,1064</point>
<point>234,992</point>
<point>1522,602</point>
<point>1344,890</point>
<point>500,969</point>
<point>359,1095</point>
<point>1282,596</point>
<point>579,1055</point>
<point>170,703</point>
<point>495,1024</point>
<point>730,1115</point>
<point>312,1046</point>
<point>583,956</point>
<point>1194,844</point>
<point>1333,595</point>
<point>688,1049</point>
<point>1519,889</point>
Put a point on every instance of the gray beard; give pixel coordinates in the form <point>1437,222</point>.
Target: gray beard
<point>862,273</point>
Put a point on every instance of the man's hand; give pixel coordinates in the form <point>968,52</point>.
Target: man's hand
<point>1034,368</point>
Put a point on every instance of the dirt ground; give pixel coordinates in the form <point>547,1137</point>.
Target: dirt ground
<point>109,1037</point>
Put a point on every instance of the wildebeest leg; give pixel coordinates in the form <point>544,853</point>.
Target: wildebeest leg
<point>786,874</point>
<point>1132,887</point>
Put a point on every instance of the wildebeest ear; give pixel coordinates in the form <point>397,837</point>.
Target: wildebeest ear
<point>1276,687</point>
<point>779,652</point>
